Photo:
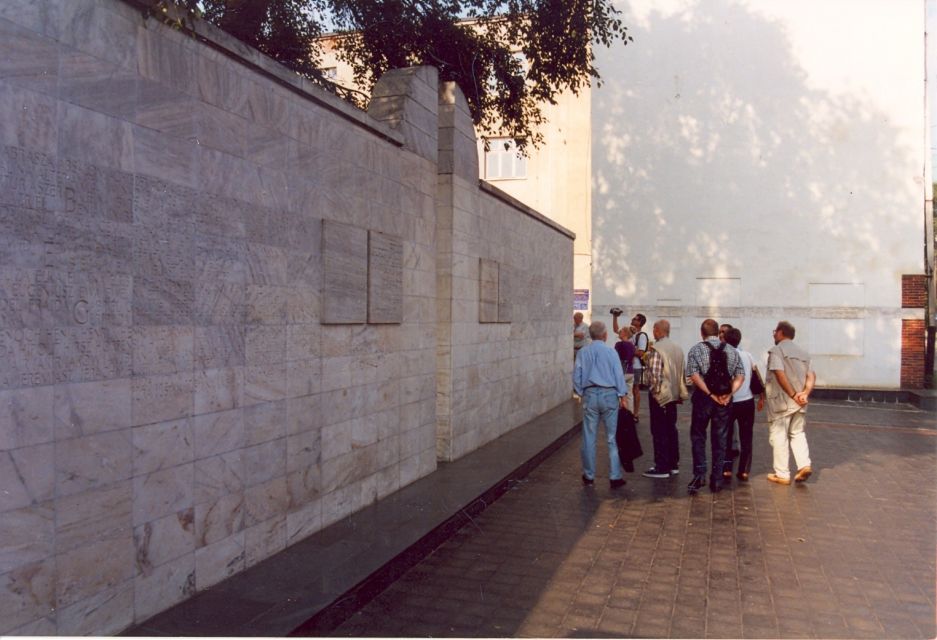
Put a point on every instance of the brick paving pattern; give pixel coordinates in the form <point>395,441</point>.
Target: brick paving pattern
<point>850,554</point>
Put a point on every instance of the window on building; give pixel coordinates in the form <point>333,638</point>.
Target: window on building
<point>329,73</point>
<point>522,61</point>
<point>502,161</point>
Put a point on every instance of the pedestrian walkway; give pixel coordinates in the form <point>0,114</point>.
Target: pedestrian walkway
<point>851,553</point>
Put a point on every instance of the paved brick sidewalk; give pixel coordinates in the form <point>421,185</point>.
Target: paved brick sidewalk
<point>849,554</point>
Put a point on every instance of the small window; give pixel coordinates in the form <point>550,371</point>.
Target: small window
<point>504,163</point>
<point>522,61</point>
<point>329,73</point>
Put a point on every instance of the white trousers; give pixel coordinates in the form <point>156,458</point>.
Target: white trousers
<point>786,434</point>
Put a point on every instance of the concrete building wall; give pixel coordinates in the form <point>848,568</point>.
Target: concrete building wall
<point>759,160</point>
<point>217,309</point>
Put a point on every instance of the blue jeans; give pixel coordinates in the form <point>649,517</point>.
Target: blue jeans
<point>599,403</point>
<point>708,413</point>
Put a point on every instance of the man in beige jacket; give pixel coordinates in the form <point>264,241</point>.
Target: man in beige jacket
<point>667,388</point>
<point>788,387</point>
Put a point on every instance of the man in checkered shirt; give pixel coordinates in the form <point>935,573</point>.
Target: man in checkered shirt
<point>709,409</point>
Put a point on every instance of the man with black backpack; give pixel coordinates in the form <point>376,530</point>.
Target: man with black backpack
<point>716,371</point>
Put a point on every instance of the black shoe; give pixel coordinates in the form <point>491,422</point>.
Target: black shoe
<point>696,484</point>
<point>715,485</point>
<point>654,473</point>
<point>628,467</point>
<point>586,480</point>
<point>616,482</point>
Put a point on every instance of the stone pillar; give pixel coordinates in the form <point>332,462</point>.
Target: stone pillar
<point>405,99</point>
<point>458,154</point>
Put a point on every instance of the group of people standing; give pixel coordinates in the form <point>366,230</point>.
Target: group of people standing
<point>725,383</point>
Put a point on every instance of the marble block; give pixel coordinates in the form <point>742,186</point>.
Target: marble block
<point>162,492</point>
<point>218,476</point>
<point>92,461</point>
<point>164,586</point>
<point>90,569</point>
<point>28,536</point>
<point>217,520</point>
<point>104,513</point>
<point>162,445</point>
<point>26,594</point>
<point>265,539</point>
<point>27,476</point>
<point>385,278</point>
<point>163,540</point>
<point>103,614</point>
<point>487,290</point>
<point>215,562</point>
<point>344,273</point>
<point>91,407</point>
<point>26,417</point>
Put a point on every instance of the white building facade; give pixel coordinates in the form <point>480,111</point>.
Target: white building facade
<point>755,160</point>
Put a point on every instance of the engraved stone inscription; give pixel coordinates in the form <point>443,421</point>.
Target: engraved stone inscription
<point>35,357</point>
<point>385,278</point>
<point>28,179</point>
<point>88,190</point>
<point>487,290</point>
<point>34,298</point>
<point>344,273</point>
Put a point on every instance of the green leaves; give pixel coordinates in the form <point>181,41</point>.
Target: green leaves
<point>509,57</point>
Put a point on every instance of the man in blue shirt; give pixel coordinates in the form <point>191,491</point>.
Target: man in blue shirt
<point>599,380</point>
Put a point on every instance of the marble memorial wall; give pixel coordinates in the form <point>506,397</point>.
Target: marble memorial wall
<point>216,314</point>
<point>234,310</point>
<point>504,275</point>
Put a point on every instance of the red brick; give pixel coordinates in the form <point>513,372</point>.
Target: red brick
<point>913,342</point>
<point>913,291</point>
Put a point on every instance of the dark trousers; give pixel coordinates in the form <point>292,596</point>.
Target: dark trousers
<point>742,417</point>
<point>708,413</point>
<point>664,435</point>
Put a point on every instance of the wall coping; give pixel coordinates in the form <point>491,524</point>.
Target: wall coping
<point>495,192</point>
<point>213,37</point>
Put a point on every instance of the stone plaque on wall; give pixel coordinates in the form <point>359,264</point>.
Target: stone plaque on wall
<point>344,273</point>
<point>385,278</point>
<point>487,290</point>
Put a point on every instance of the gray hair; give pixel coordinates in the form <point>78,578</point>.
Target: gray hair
<point>663,326</point>
<point>597,330</point>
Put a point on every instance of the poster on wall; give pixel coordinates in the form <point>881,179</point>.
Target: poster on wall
<point>580,299</point>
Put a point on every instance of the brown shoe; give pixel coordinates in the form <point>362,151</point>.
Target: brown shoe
<point>775,478</point>
<point>727,475</point>
<point>741,475</point>
<point>803,474</point>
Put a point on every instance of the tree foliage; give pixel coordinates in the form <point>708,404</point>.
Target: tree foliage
<point>475,43</point>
